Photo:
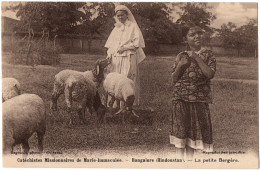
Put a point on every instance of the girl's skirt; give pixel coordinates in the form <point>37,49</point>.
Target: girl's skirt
<point>191,125</point>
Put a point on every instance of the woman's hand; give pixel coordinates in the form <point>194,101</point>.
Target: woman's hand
<point>121,50</point>
<point>109,58</point>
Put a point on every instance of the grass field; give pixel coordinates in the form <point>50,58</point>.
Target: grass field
<point>234,111</point>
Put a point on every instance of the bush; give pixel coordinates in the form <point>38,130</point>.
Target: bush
<point>35,52</point>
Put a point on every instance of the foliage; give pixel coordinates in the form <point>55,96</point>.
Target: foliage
<point>153,20</point>
<point>196,13</point>
<point>93,17</point>
<point>33,53</point>
<point>96,19</point>
<point>56,17</point>
<point>241,38</point>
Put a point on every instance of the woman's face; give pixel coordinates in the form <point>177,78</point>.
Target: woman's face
<point>194,37</point>
<point>121,16</point>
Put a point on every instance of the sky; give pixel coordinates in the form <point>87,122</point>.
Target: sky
<point>236,12</point>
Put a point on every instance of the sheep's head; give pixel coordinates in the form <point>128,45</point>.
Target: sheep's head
<point>100,66</point>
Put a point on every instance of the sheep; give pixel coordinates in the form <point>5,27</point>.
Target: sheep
<point>10,88</point>
<point>80,89</point>
<point>97,74</point>
<point>120,88</point>
<point>22,116</point>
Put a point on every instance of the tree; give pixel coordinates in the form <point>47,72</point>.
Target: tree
<point>241,38</point>
<point>226,34</point>
<point>93,20</point>
<point>54,17</point>
<point>196,13</point>
<point>153,20</point>
<point>249,36</point>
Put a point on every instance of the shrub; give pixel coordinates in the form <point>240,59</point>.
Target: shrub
<point>35,52</point>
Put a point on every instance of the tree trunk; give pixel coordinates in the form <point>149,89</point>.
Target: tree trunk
<point>238,52</point>
<point>27,55</point>
<point>89,45</point>
<point>29,45</point>
<point>54,42</point>
<point>81,44</point>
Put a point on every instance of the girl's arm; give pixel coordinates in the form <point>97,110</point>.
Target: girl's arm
<point>176,74</point>
<point>178,67</point>
<point>206,70</point>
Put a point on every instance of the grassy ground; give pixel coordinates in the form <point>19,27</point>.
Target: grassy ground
<point>234,112</point>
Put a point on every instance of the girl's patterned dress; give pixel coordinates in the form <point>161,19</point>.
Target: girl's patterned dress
<point>191,122</point>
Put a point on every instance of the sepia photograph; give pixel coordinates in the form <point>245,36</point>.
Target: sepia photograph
<point>130,85</point>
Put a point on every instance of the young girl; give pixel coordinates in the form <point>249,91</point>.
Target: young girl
<point>192,71</point>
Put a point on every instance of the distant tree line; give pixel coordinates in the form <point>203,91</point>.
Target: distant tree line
<point>241,38</point>
<point>154,18</point>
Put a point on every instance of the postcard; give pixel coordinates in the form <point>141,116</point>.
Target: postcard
<point>130,85</point>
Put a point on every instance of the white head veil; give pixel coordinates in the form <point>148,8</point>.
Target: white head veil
<point>130,16</point>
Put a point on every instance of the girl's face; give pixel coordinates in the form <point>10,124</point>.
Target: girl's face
<point>194,38</point>
<point>121,16</point>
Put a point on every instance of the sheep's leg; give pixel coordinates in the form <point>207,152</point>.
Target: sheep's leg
<point>117,104</point>
<point>111,103</point>
<point>13,145</point>
<point>106,99</point>
<point>82,114</point>
<point>40,136</point>
<point>57,91</point>
<point>68,99</point>
<point>123,115</point>
<point>25,146</point>
<point>90,110</point>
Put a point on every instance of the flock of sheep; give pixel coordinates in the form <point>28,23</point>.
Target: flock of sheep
<point>25,114</point>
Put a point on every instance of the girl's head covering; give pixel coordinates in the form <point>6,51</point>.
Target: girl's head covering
<point>110,42</point>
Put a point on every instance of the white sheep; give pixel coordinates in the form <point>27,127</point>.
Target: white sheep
<point>22,116</point>
<point>80,89</point>
<point>120,88</point>
<point>10,88</point>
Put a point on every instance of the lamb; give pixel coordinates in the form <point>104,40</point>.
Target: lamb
<point>22,116</point>
<point>10,87</point>
<point>80,89</point>
<point>120,88</point>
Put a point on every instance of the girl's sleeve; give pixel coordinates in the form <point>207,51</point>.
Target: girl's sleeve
<point>212,61</point>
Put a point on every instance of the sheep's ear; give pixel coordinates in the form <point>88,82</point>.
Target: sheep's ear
<point>97,69</point>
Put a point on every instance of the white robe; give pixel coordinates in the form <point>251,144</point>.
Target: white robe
<point>126,63</point>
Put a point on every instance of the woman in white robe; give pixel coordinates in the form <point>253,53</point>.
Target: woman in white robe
<point>125,47</point>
